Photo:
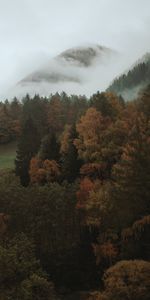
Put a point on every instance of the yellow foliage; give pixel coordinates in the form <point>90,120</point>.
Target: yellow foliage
<point>136,230</point>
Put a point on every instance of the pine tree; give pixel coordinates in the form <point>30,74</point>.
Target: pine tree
<point>28,146</point>
<point>69,161</point>
<point>132,174</point>
<point>49,148</point>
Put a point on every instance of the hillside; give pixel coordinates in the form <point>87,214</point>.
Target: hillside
<point>129,84</point>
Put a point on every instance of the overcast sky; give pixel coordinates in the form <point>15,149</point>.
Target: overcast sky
<point>33,30</point>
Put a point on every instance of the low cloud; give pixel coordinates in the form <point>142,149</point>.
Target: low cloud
<point>32,32</point>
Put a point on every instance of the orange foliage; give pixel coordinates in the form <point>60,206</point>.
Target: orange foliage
<point>93,170</point>
<point>136,229</point>
<point>114,103</point>
<point>86,186</point>
<point>52,170</point>
<point>90,129</point>
<point>65,138</point>
<point>106,250</point>
<point>43,171</point>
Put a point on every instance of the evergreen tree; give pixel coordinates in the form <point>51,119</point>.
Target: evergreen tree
<point>28,146</point>
<point>36,108</point>
<point>132,174</point>
<point>70,162</point>
<point>49,148</point>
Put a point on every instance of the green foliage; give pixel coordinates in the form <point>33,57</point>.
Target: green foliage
<point>21,276</point>
<point>37,288</point>
<point>28,146</point>
<point>143,103</point>
<point>49,148</point>
<point>108,104</point>
<point>47,215</point>
<point>132,173</point>
<point>10,114</point>
<point>70,163</point>
<point>36,109</point>
<point>139,75</point>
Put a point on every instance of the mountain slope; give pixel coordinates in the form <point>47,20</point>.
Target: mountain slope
<point>79,57</point>
<point>84,56</point>
<point>72,71</point>
<point>129,84</point>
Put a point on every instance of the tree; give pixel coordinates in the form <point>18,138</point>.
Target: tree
<point>70,162</point>
<point>132,173</point>
<point>49,148</point>
<point>108,104</point>
<point>94,171</point>
<point>143,103</point>
<point>86,186</point>
<point>128,280</point>
<point>42,172</point>
<point>37,288</point>
<point>55,115</point>
<point>15,109</point>
<point>9,124</point>
<point>36,109</point>
<point>90,129</point>
<point>28,146</point>
<point>21,276</point>
<point>36,171</point>
<point>135,240</point>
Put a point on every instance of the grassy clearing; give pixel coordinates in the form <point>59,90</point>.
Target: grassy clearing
<point>7,156</point>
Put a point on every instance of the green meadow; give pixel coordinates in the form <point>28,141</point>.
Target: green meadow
<point>7,155</point>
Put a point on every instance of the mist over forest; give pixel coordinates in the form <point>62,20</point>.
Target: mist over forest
<point>74,150</point>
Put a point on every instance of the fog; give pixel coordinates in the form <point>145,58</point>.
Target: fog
<point>82,80</point>
<point>33,32</point>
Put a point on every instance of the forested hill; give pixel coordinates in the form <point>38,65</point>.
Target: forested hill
<point>75,209</point>
<point>128,85</point>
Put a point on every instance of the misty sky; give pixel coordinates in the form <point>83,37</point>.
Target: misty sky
<point>33,30</point>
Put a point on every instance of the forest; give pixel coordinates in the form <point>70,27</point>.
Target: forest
<point>138,77</point>
<point>75,209</point>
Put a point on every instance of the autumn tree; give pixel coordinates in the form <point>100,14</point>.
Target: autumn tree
<point>125,280</point>
<point>94,171</point>
<point>86,186</point>
<point>128,280</point>
<point>36,171</point>
<point>90,129</point>
<point>43,171</point>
